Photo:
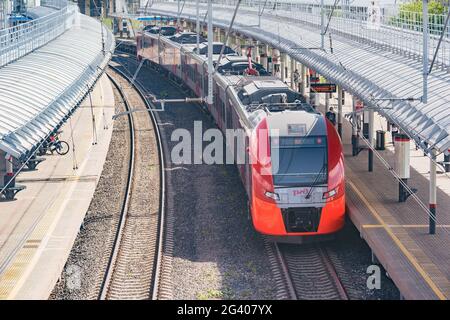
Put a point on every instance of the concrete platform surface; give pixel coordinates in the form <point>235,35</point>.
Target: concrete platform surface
<point>417,262</point>
<point>38,229</point>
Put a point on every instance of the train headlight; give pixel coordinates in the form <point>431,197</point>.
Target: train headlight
<point>330,194</point>
<point>272,195</point>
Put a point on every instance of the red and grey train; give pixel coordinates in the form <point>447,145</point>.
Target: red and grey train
<point>294,170</point>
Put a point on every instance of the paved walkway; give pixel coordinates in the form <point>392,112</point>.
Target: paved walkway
<point>38,229</point>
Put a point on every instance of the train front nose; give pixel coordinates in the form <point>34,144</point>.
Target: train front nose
<point>301,219</point>
<point>295,214</point>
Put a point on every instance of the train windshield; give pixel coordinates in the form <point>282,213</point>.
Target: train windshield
<point>299,161</point>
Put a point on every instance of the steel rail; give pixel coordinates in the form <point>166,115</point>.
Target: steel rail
<point>285,270</point>
<point>154,290</point>
<point>124,211</point>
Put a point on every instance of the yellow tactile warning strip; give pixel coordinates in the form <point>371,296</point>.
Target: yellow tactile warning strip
<point>418,266</point>
<point>370,226</point>
<point>22,261</point>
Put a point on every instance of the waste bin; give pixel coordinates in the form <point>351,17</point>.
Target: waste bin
<point>380,143</point>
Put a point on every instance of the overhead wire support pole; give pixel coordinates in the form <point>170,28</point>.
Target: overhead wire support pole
<point>147,6</point>
<point>227,35</point>
<point>371,138</point>
<point>261,11</point>
<point>432,200</point>
<point>197,25</point>
<point>178,13</point>
<point>210,54</point>
<point>329,18</point>
<point>425,51</point>
<point>322,25</point>
<point>439,43</point>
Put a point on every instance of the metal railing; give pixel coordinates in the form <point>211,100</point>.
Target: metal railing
<point>16,42</point>
<point>396,30</point>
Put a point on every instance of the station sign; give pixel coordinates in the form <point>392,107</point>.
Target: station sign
<point>323,87</point>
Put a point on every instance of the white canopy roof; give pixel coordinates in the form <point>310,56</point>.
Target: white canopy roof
<point>40,91</point>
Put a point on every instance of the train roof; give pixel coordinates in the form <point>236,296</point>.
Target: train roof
<point>186,38</point>
<point>217,47</point>
<point>272,98</point>
<point>237,65</point>
<point>254,89</point>
<point>297,123</point>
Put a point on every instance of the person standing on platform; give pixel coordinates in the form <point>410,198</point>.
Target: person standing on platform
<point>296,76</point>
<point>331,115</point>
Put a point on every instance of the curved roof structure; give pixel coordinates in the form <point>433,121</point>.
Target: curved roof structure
<point>38,12</point>
<point>39,91</point>
<point>368,72</point>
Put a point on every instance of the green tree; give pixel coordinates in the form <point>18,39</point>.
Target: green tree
<point>434,7</point>
<point>410,15</point>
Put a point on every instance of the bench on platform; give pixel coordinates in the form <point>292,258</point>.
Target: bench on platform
<point>33,162</point>
<point>10,192</point>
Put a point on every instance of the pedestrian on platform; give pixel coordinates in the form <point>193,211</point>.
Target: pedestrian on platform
<point>296,77</point>
<point>331,115</point>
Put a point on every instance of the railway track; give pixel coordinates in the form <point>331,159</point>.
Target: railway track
<point>133,268</point>
<point>300,272</point>
<point>305,272</point>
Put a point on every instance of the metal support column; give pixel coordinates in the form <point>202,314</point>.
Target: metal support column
<point>9,180</point>
<point>355,139</point>
<point>339,116</point>
<point>447,162</point>
<point>432,227</point>
<point>371,138</point>
<point>303,81</point>
<point>402,157</point>
<point>276,57</point>
<point>293,68</point>
<point>366,124</point>
<point>425,50</point>
<point>257,52</point>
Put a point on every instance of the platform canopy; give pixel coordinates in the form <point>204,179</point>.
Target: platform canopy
<point>371,73</point>
<point>40,91</point>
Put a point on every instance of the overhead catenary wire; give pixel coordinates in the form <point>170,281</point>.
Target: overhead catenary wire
<point>398,178</point>
<point>390,118</point>
<point>227,35</point>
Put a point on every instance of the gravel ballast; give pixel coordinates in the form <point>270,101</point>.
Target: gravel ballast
<point>216,252</point>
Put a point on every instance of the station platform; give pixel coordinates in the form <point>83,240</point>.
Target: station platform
<point>417,262</point>
<point>38,229</point>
